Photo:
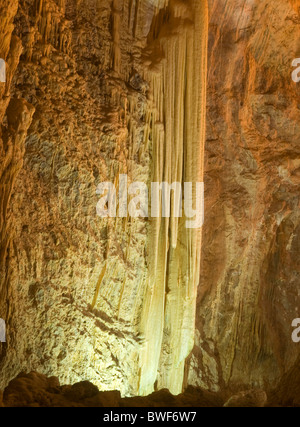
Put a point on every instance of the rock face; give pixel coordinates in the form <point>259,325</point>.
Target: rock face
<point>99,89</point>
<point>107,300</point>
<point>287,393</point>
<point>16,113</point>
<point>36,390</point>
<point>249,290</point>
<point>248,399</point>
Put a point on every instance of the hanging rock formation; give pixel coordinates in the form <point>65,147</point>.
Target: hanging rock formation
<point>98,89</point>
<point>106,300</point>
<point>179,35</point>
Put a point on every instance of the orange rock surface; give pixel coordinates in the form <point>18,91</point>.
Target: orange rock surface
<point>160,90</point>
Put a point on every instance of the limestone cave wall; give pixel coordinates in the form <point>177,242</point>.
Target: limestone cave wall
<point>249,286</point>
<point>85,297</point>
<point>159,90</point>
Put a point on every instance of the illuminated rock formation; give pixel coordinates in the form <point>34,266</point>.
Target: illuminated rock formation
<point>18,114</point>
<point>37,390</point>
<point>249,290</point>
<point>101,88</point>
<point>178,82</point>
<point>109,300</point>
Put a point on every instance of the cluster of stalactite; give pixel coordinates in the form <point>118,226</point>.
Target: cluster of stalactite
<point>153,80</point>
<point>176,63</point>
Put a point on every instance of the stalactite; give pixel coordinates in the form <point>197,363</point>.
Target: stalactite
<point>175,63</point>
<point>177,55</point>
<point>116,51</point>
<point>52,25</point>
<point>30,43</point>
<point>146,121</point>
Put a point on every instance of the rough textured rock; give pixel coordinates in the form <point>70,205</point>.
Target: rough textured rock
<point>104,299</point>
<point>248,399</point>
<point>16,115</point>
<point>287,393</point>
<point>96,89</point>
<point>36,390</point>
<point>249,290</point>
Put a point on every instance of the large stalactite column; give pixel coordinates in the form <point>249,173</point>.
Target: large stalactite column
<point>175,57</point>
